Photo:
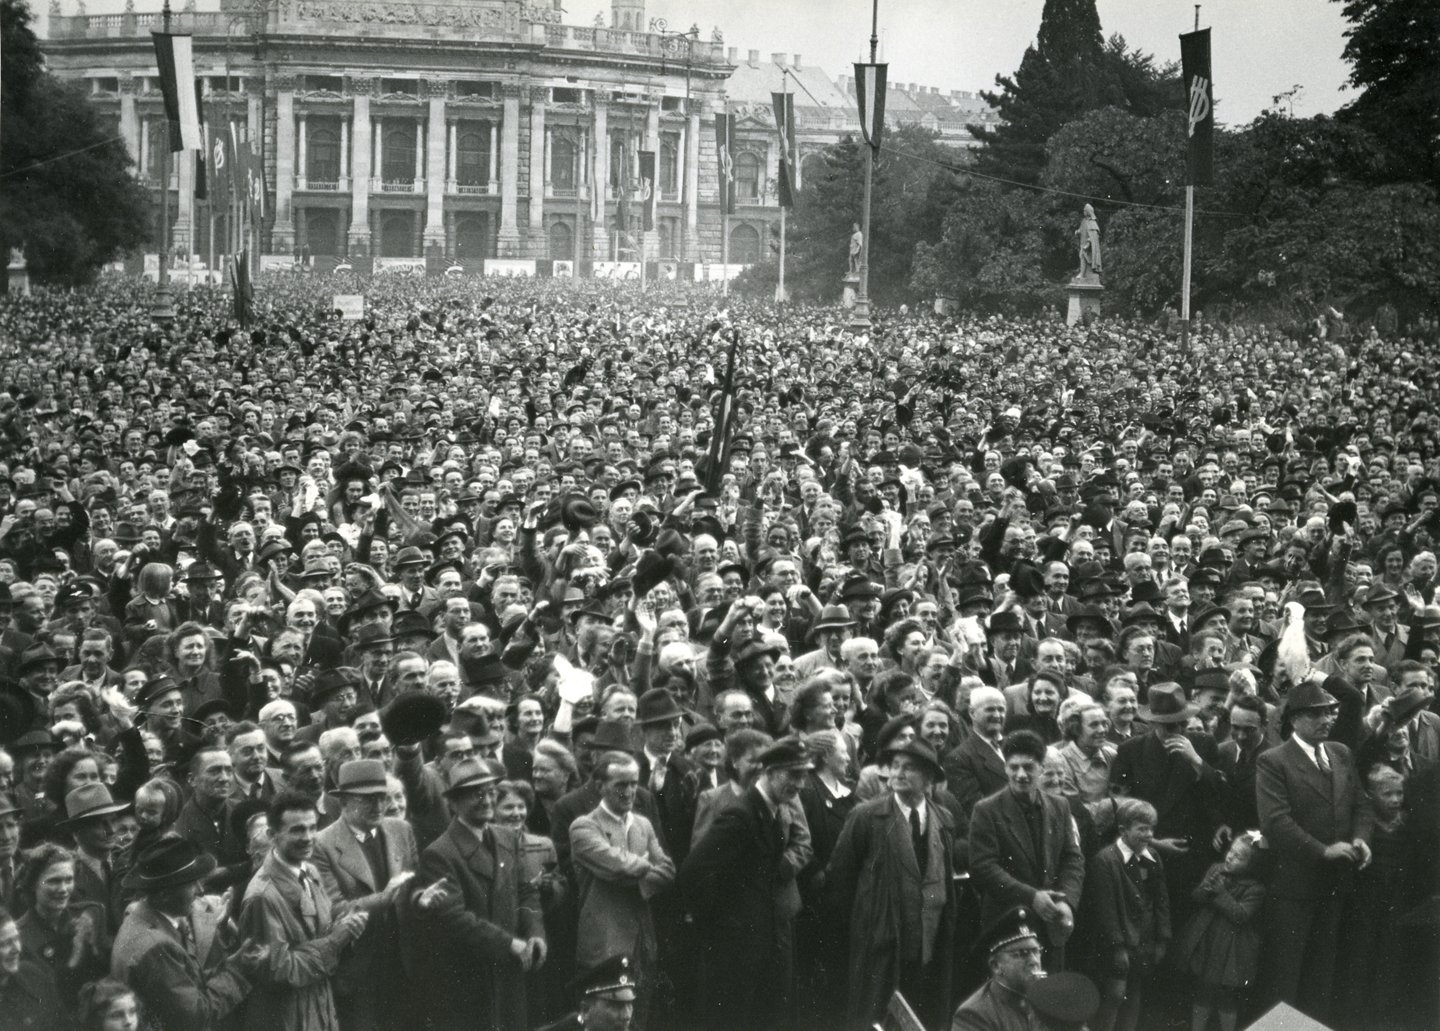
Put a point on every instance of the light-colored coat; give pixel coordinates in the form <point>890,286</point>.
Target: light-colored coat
<point>305,948</point>
<point>344,870</point>
<point>618,870</point>
<point>177,992</point>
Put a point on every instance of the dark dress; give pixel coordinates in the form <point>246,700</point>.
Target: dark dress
<point>821,955</point>
<point>1220,945</point>
<point>1375,967</point>
<point>52,947</point>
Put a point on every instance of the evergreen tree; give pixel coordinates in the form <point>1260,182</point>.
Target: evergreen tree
<point>66,195</point>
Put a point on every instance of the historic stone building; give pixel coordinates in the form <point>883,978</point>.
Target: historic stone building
<point>470,129</point>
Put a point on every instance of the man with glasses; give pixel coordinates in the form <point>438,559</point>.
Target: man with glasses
<point>1014,954</point>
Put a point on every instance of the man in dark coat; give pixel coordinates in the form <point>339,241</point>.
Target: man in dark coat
<point>488,928</point>
<point>1310,813</point>
<point>732,882</point>
<point>1024,849</point>
<point>1012,947</point>
<point>893,868</point>
<point>1179,774</point>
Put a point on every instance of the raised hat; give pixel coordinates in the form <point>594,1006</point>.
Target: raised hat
<point>1166,703</point>
<point>1403,706</point>
<point>361,777</point>
<point>657,705</point>
<point>652,570</point>
<point>412,718</point>
<point>90,802</point>
<point>169,862</point>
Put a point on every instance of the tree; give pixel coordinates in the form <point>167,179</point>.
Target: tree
<point>1391,48</point>
<point>68,197</point>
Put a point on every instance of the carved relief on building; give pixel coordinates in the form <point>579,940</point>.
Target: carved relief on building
<point>503,18</point>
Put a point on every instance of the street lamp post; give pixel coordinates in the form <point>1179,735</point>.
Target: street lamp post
<point>163,309</point>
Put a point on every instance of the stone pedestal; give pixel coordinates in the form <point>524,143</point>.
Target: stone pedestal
<point>851,288</point>
<point>1084,294</point>
<point>17,274</point>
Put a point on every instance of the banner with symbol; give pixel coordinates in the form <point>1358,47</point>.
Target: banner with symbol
<point>647,188</point>
<point>1200,121</point>
<point>725,155</point>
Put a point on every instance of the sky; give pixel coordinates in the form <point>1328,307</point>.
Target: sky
<point>1260,48</point>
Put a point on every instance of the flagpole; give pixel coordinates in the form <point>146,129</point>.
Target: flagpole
<point>860,316</point>
<point>780,295</point>
<point>725,186</point>
<point>164,308</point>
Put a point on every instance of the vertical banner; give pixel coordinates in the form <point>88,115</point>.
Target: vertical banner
<point>176,63</point>
<point>218,166</point>
<point>1200,120</point>
<point>202,178</point>
<point>648,193</point>
<point>724,154</point>
<point>784,104</point>
<point>718,457</point>
<point>870,95</point>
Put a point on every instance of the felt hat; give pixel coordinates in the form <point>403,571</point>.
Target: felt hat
<point>657,705</point>
<point>90,802</point>
<point>921,752</point>
<point>361,777</point>
<point>412,718</point>
<point>1166,703</point>
<point>1308,695</point>
<point>473,773</point>
<point>169,862</point>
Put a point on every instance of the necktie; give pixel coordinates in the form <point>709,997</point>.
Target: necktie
<point>917,838</point>
<point>657,777</point>
<point>1321,760</point>
<point>308,909</point>
<point>187,938</point>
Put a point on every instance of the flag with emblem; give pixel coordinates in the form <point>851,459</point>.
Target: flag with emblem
<point>1200,117</point>
<point>175,60</point>
<point>648,193</point>
<point>870,97</point>
<point>218,167</point>
<point>202,173</point>
<point>718,457</point>
<point>784,104</point>
<point>244,292</point>
<point>725,157</point>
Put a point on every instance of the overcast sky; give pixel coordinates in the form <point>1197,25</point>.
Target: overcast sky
<point>1261,47</point>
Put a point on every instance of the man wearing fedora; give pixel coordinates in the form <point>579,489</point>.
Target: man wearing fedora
<point>892,868</point>
<point>1309,797</point>
<point>167,949</point>
<point>737,884</point>
<point>90,815</point>
<point>663,766</point>
<point>286,908</point>
<point>488,930</point>
<point>364,861</point>
<point>830,630</point>
<point>1179,774</point>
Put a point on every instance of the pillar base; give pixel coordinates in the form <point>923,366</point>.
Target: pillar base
<point>507,243</point>
<point>850,290</point>
<point>1084,299</point>
<point>282,237</point>
<point>357,241</point>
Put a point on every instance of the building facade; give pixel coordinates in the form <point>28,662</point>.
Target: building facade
<point>468,130</point>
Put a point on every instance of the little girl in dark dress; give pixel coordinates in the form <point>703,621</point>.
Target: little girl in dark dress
<point>1220,945</point>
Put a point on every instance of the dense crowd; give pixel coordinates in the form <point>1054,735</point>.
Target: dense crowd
<point>485,664</point>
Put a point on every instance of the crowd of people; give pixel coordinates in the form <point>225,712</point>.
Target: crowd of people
<point>540,653</point>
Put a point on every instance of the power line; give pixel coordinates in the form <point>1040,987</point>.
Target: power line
<point>62,157</point>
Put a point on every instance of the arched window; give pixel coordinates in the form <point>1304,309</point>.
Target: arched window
<point>747,177</point>
<point>398,160</point>
<point>472,158</point>
<point>397,235</point>
<point>322,157</point>
<point>744,245</point>
<point>562,242</point>
<point>669,164</point>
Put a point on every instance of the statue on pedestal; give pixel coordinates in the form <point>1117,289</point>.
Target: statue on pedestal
<point>857,246</point>
<point>1088,234</point>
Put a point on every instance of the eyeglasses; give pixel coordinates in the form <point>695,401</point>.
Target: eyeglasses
<point>1033,952</point>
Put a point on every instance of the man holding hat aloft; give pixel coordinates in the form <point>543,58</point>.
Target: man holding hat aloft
<point>487,931</point>
<point>1309,798</point>
<point>167,951</point>
<point>892,867</point>
<point>1012,947</point>
<point>732,882</point>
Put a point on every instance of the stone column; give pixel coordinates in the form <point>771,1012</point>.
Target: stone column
<point>538,97</point>
<point>600,181</point>
<point>130,121</point>
<point>143,161</point>
<point>184,163</point>
<point>435,168</point>
<point>508,241</point>
<point>282,234</point>
<point>692,182</point>
<point>344,154</point>
<point>302,159</point>
<point>452,164</point>
<point>652,144</point>
<point>419,179</point>
<point>493,176</point>
<point>358,238</point>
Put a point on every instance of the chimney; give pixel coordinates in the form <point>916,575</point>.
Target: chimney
<point>934,91</point>
<point>733,54</point>
<point>796,63</point>
<point>780,60</point>
<point>754,61</point>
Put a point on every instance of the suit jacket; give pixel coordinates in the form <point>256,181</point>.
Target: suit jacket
<point>306,944</point>
<point>475,982</point>
<point>178,991</point>
<point>973,770</point>
<point>618,869</point>
<point>1302,810</point>
<point>576,804</point>
<point>673,801</point>
<point>1007,869</point>
<point>1189,802</point>
<point>1113,912</point>
<point>344,870</point>
<point>1239,807</point>
<point>89,887</point>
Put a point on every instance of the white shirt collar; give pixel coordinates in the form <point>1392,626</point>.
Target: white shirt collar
<point>921,809</point>
<point>1127,854</point>
<point>617,817</point>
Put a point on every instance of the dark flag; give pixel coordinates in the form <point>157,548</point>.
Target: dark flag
<point>219,168</point>
<point>718,457</point>
<point>202,181</point>
<point>240,282</point>
<point>1200,92</point>
<point>784,104</point>
<point>870,95</point>
<point>648,193</point>
<point>725,155</point>
<point>176,62</point>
